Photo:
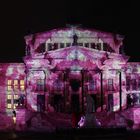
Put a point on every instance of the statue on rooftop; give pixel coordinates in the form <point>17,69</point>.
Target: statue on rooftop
<point>75,38</point>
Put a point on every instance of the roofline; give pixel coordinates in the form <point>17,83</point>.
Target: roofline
<point>67,28</point>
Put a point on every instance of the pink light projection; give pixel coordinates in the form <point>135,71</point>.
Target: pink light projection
<point>59,73</point>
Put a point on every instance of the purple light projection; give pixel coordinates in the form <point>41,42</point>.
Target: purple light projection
<point>53,62</point>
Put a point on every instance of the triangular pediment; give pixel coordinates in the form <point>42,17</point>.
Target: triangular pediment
<point>85,58</point>
<point>76,56</point>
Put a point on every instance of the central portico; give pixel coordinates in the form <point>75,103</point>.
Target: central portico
<point>69,66</point>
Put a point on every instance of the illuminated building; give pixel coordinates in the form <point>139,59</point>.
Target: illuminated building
<point>63,66</point>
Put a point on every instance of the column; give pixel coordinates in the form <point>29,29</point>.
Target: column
<point>64,90</point>
<point>101,76</point>
<point>120,85</point>
<point>82,71</point>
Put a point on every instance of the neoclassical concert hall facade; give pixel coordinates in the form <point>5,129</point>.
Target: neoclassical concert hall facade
<point>66,69</point>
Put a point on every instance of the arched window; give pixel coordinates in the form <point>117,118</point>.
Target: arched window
<point>110,85</point>
<point>40,85</point>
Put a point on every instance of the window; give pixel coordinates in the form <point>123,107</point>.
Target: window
<point>110,84</point>
<point>92,85</point>
<point>93,46</point>
<point>9,87</point>
<point>49,46</point>
<point>9,92</point>
<point>61,45</point>
<point>68,44</point>
<point>138,84</point>
<point>9,82</point>
<point>16,97</point>
<point>15,85</point>
<point>98,46</point>
<point>41,48</point>
<point>105,46</point>
<point>128,83</point>
<point>55,46</point>
<point>9,106</point>
<point>9,97</point>
<point>58,85</point>
<point>40,85</point>
<point>134,84</point>
<point>9,101</point>
<point>87,45</point>
<point>22,86</point>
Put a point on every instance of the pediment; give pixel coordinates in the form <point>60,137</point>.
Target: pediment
<point>75,56</point>
<point>78,57</point>
<point>86,57</point>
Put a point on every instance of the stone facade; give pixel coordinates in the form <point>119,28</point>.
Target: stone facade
<point>62,67</point>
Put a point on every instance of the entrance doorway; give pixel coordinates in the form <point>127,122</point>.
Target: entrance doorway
<point>58,103</point>
<point>94,102</point>
<point>110,102</point>
<point>75,105</point>
<point>75,84</point>
<point>40,103</point>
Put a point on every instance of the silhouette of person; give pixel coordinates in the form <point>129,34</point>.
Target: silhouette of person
<point>14,113</point>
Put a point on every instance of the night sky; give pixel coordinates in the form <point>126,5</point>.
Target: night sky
<point>20,18</point>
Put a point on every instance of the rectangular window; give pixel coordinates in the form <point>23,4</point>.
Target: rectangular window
<point>40,85</point>
<point>15,85</point>
<point>105,46</point>
<point>93,46</point>
<point>9,88</point>
<point>68,44</point>
<point>134,84</point>
<point>138,84</point>
<point>16,96</point>
<point>87,45</point>
<point>15,82</point>
<point>61,45</point>
<point>49,46</point>
<point>128,79</point>
<point>22,86</point>
<point>92,85</point>
<point>9,97</point>
<point>9,83</point>
<point>98,46</point>
<point>58,85</point>
<point>15,101</point>
<point>55,46</point>
<point>9,106</point>
<point>110,84</point>
<point>13,96</point>
<point>9,101</point>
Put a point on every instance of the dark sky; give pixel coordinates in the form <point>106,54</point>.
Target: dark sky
<point>21,17</point>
